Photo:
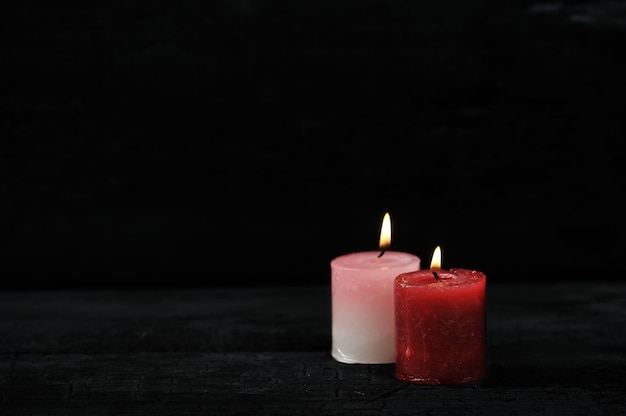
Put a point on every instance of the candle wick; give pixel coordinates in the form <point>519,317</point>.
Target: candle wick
<point>381,253</point>
<point>437,276</point>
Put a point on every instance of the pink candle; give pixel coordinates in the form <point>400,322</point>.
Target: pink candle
<point>363,304</point>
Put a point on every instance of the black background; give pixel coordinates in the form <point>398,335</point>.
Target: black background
<point>232,142</point>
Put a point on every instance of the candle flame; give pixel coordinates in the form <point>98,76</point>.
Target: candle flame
<point>385,233</point>
<point>435,263</point>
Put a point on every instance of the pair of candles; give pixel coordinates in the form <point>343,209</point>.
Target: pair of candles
<point>430,323</point>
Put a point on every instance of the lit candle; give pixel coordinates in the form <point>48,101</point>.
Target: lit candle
<point>362,301</point>
<point>440,325</point>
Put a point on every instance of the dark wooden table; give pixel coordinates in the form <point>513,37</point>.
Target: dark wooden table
<point>554,349</point>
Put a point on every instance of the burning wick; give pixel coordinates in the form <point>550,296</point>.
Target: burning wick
<point>435,263</point>
<point>385,234</point>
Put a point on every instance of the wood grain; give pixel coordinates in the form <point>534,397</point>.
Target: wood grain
<point>553,349</point>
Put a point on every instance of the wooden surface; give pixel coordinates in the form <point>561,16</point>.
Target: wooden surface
<point>554,349</point>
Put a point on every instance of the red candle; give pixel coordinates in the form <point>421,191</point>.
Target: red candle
<point>440,325</point>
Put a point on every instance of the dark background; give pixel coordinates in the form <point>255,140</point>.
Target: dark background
<point>242,141</point>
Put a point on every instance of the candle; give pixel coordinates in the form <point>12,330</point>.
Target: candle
<point>440,325</point>
<point>362,301</point>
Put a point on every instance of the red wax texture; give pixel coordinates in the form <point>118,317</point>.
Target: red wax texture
<point>440,326</point>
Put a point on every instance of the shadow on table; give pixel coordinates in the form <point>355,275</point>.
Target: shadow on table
<point>564,365</point>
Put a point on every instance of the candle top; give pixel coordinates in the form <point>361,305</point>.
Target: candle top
<point>447,278</point>
<point>371,260</point>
